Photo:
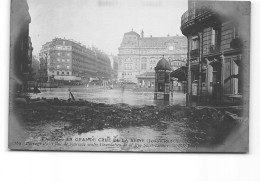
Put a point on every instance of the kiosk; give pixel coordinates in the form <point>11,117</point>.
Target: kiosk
<point>162,80</point>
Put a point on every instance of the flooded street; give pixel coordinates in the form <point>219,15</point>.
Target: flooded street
<point>116,120</point>
<point>109,96</point>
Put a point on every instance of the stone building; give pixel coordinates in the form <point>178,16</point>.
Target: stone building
<point>218,49</point>
<point>20,46</point>
<point>67,60</point>
<point>139,54</point>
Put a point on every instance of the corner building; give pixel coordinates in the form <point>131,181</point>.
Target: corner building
<point>218,50</point>
<point>139,54</point>
<point>70,61</point>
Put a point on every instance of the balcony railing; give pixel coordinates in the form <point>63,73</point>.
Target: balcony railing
<point>192,14</point>
<point>188,15</point>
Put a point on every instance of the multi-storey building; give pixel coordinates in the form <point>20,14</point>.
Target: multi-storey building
<point>67,60</point>
<point>218,49</point>
<point>20,45</point>
<point>139,54</point>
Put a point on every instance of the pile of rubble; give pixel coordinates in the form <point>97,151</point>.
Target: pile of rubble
<point>84,116</point>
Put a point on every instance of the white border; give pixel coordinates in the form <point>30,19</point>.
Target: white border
<point>56,167</point>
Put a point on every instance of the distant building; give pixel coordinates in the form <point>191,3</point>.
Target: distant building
<point>139,54</point>
<point>218,49</point>
<point>67,60</point>
<point>20,45</point>
<point>35,68</point>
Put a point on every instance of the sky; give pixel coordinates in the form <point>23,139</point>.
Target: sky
<point>102,23</point>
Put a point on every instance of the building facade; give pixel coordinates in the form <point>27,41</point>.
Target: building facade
<point>63,59</point>
<point>139,54</point>
<point>20,46</point>
<point>218,49</point>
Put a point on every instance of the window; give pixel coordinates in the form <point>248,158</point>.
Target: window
<point>58,59</point>
<point>68,54</point>
<point>68,67</point>
<point>194,43</point>
<point>143,63</point>
<point>152,63</point>
<point>62,73</point>
<point>63,60</point>
<point>58,66</point>
<point>68,73</point>
<point>58,54</point>
<point>68,60</point>
<point>235,31</point>
<point>58,73</point>
<point>170,47</point>
<point>213,36</point>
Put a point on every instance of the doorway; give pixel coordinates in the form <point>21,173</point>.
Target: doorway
<point>216,83</point>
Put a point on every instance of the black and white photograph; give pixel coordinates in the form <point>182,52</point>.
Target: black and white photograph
<point>129,76</point>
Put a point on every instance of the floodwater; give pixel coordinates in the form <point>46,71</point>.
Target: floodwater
<point>110,96</point>
<point>162,137</point>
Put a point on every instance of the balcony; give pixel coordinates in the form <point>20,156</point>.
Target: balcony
<point>187,16</point>
<point>194,17</point>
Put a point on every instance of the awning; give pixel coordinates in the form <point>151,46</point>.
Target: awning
<point>180,73</point>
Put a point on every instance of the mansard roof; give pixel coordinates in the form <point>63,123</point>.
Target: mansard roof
<point>159,41</point>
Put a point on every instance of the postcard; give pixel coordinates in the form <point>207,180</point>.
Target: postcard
<point>129,76</point>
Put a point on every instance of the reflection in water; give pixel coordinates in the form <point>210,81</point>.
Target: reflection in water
<point>111,96</point>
